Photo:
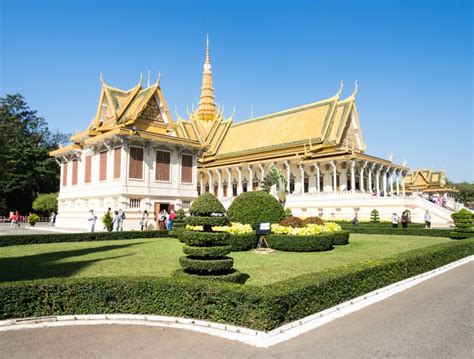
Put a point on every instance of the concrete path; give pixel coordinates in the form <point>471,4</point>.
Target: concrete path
<point>39,228</point>
<point>431,320</point>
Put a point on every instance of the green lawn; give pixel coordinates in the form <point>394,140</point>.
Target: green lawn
<point>159,257</point>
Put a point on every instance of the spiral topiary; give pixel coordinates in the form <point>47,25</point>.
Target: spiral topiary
<point>374,216</point>
<point>206,251</point>
<point>463,223</point>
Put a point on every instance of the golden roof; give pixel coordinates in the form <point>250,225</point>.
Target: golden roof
<point>426,180</point>
<point>207,109</point>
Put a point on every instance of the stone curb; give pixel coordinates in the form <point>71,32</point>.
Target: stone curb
<point>248,336</point>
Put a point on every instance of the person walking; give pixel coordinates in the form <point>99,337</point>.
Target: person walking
<point>13,220</point>
<point>404,220</point>
<point>161,220</point>
<point>355,221</point>
<point>92,219</point>
<point>427,219</point>
<point>116,222</point>
<point>171,219</point>
<point>122,217</point>
<point>52,218</point>
<point>395,220</point>
<point>144,221</point>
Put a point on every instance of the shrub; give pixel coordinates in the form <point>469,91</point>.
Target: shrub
<point>313,220</point>
<point>32,219</point>
<point>374,216</point>
<point>206,251</point>
<point>46,203</point>
<point>289,243</point>
<point>255,207</point>
<point>243,242</point>
<point>401,231</point>
<point>310,229</point>
<point>234,228</point>
<point>463,223</point>
<point>107,221</point>
<point>340,238</point>
<point>179,219</point>
<point>288,212</point>
<point>291,221</point>
<point>19,239</point>
<point>260,308</point>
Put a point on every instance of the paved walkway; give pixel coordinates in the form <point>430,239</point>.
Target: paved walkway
<point>431,320</point>
<point>39,228</point>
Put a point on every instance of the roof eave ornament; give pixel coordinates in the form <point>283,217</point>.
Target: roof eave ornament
<point>158,79</point>
<point>341,86</point>
<point>356,89</point>
<point>101,78</point>
<point>141,80</point>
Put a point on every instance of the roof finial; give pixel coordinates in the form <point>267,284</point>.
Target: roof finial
<point>356,89</point>
<point>158,79</point>
<point>141,79</point>
<point>341,85</point>
<point>101,78</point>
<point>207,109</point>
<point>148,82</point>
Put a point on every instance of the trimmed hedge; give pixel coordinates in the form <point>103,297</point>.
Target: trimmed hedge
<point>216,251</point>
<point>13,240</point>
<point>401,231</point>
<point>255,207</point>
<point>340,238</point>
<point>205,239</point>
<point>288,243</point>
<point>345,224</point>
<point>260,308</point>
<point>243,242</point>
<point>200,265</point>
<point>205,205</point>
<point>207,221</point>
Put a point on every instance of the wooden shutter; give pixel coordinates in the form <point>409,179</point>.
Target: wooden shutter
<point>87,170</point>
<point>187,168</point>
<point>163,161</point>
<point>117,158</point>
<point>65,174</point>
<point>136,163</point>
<point>103,166</point>
<point>74,172</point>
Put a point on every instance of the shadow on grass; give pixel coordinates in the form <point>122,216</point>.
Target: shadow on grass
<point>42,266</point>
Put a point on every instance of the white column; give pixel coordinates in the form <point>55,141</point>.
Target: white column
<point>230,187</point>
<point>302,178</point>
<point>334,176</point>
<point>211,185</point>
<point>261,166</point>
<point>403,184</point>
<point>391,182</point>
<point>220,190</point>
<point>361,176</point>
<point>288,174</point>
<point>370,178</point>
<point>318,174</point>
<point>384,182</point>
<point>397,179</point>
<point>377,181</point>
<point>239,184</point>
<point>353,164</point>
<point>250,184</point>
<point>201,183</point>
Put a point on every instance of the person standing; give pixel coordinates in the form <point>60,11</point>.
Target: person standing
<point>121,214</point>
<point>171,219</point>
<point>395,220</point>
<point>92,219</point>
<point>427,219</point>
<point>52,218</point>
<point>161,220</point>
<point>144,221</point>
<point>116,222</point>
<point>13,220</point>
<point>355,221</point>
<point>404,220</point>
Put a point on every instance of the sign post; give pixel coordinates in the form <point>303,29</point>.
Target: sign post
<point>263,229</point>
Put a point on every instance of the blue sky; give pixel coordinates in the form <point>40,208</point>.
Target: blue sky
<point>413,61</point>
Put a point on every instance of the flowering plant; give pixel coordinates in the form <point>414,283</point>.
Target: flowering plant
<point>234,228</point>
<point>308,230</point>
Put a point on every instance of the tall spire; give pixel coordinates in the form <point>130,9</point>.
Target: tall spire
<point>207,109</point>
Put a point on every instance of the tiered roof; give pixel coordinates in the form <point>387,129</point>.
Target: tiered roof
<point>427,180</point>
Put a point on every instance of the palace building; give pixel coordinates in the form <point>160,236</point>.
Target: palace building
<point>135,156</point>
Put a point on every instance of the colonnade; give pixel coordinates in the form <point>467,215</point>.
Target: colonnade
<point>319,178</point>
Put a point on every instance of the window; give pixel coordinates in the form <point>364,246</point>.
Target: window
<point>186,204</point>
<point>306,185</point>
<point>103,166</point>
<point>117,158</point>
<point>135,202</point>
<point>234,189</point>
<point>199,190</point>
<point>136,163</point>
<point>216,189</point>
<point>292,185</point>
<point>65,174</point>
<point>162,171</point>
<point>75,163</point>
<point>187,168</point>
<point>224,189</point>
<point>244,186</point>
<point>87,170</point>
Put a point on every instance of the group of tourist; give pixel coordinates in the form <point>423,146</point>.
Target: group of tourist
<point>165,220</point>
<point>404,220</point>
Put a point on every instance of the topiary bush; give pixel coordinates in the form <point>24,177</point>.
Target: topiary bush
<point>313,220</point>
<point>291,221</point>
<point>374,216</point>
<point>463,223</point>
<point>179,219</point>
<point>255,207</point>
<point>206,251</point>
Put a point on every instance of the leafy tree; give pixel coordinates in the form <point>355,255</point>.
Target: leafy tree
<point>25,165</point>
<point>46,202</point>
<point>275,177</point>
<point>465,194</point>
